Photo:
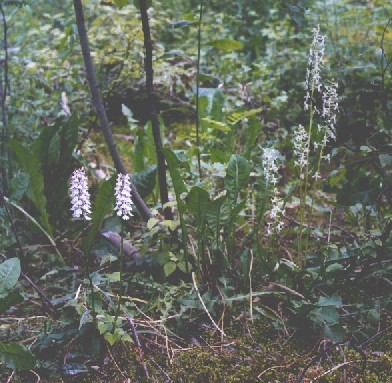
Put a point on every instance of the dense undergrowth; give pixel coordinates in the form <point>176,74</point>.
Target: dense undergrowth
<point>276,265</point>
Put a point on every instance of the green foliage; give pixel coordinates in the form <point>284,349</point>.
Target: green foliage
<point>103,205</point>
<point>17,356</point>
<point>252,70</point>
<point>30,164</point>
<point>237,175</point>
<point>9,274</point>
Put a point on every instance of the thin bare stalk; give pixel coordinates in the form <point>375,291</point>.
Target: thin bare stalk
<point>197,90</point>
<point>163,190</point>
<point>121,278</point>
<point>4,85</point>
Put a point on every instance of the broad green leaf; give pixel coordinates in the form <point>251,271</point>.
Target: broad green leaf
<point>330,315</point>
<point>333,267</point>
<point>198,199</point>
<point>16,356</point>
<point>103,206</point>
<point>115,276</point>
<point>226,44</point>
<point>19,185</point>
<point>237,175</point>
<point>170,224</point>
<point>174,165</point>
<point>9,273</point>
<point>334,332</point>
<point>112,338</point>
<point>373,316</point>
<point>215,216</point>
<point>169,268</point>
<point>54,150</point>
<point>182,266</point>
<point>211,101</point>
<point>334,301</point>
<point>144,181</point>
<point>30,164</point>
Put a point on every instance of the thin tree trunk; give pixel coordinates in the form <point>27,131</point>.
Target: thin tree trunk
<point>153,109</point>
<point>4,85</point>
<point>100,109</point>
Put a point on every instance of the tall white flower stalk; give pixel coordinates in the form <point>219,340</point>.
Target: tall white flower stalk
<point>306,140</point>
<point>123,208</point>
<point>81,209</point>
<point>269,161</point>
<point>302,136</point>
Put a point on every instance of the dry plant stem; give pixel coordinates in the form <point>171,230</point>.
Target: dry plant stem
<point>205,307</point>
<point>100,109</point>
<point>114,361</point>
<point>90,280</point>
<point>250,286</point>
<point>153,110</point>
<point>138,345</point>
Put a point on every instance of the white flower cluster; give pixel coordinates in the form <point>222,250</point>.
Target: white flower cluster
<point>270,169</point>
<point>80,197</point>
<point>301,148</point>
<point>124,203</point>
<point>315,62</point>
<point>276,213</point>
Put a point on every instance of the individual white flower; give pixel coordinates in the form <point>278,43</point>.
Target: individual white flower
<point>124,202</point>
<point>80,197</point>
<point>316,175</point>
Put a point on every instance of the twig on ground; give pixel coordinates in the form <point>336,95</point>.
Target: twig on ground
<point>205,307</point>
<point>114,361</point>
<point>372,338</point>
<point>138,344</point>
